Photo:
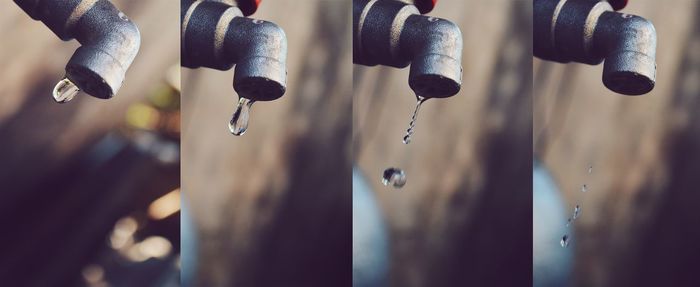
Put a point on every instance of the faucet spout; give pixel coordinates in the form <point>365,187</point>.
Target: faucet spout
<point>590,32</point>
<point>393,33</point>
<point>216,35</point>
<point>109,40</point>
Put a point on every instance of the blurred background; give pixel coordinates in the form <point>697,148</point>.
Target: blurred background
<point>89,189</point>
<point>464,216</point>
<point>272,207</point>
<point>639,219</point>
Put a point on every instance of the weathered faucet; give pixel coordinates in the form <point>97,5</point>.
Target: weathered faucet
<point>394,33</point>
<point>215,34</point>
<point>589,31</point>
<point>110,41</point>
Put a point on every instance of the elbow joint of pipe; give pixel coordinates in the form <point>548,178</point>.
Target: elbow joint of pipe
<point>435,49</point>
<point>109,45</point>
<point>628,44</point>
<point>259,49</point>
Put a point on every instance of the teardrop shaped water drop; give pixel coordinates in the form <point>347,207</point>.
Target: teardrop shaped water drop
<point>412,125</point>
<point>239,121</point>
<point>584,188</point>
<point>590,169</point>
<point>564,241</point>
<point>577,211</point>
<point>394,176</point>
<point>64,91</point>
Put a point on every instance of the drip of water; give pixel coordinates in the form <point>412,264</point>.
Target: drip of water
<point>584,188</point>
<point>64,91</point>
<point>412,125</point>
<point>239,121</point>
<point>568,221</point>
<point>565,241</point>
<point>394,176</point>
<point>577,211</point>
<point>590,169</point>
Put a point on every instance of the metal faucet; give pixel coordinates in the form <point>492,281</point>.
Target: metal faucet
<point>110,41</point>
<point>215,34</point>
<point>394,33</point>
<point>590,32</point>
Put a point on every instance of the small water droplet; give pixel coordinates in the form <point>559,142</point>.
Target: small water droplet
<point>590,169</point>
<point>412,125</point>
<point>584,188</point>
<point>256,21</point>
<point>123,17</point>
<point>432,19</point>
<point>64,91</point>
<point>577,211</point>
<point>394,176</point>
<point>565,240</point>
<point>239,121</point>
<point>568,222</point>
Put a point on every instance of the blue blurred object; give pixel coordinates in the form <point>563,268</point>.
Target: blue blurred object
<point>370,246</point>
<point>552,263</point>
<point>188,233</point>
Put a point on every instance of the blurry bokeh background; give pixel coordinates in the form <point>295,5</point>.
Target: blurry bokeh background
<point>88,189</point>
<point>464,216</point>
<point>639,220</point>
<point>272,207</point>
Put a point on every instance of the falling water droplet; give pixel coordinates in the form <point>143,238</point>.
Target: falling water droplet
<point>577,211</point>
<point>564,241</point>
<point>590,169</point>
<point>568,222</point>
<point>412,125</point>
<point>394,176</point>
<point>584,188</point>
<point>65,91</point>
<point>239,121</point>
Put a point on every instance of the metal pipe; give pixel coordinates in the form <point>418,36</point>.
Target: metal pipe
<point>216,35</point>
<point>110,41</point>
<point>393,33</point>
<point>590,32</point>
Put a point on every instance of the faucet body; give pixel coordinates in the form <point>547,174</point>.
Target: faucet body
<point>590,32</point>
<point>394,33</point>
<point>109,40</point>
<point>215,34</point>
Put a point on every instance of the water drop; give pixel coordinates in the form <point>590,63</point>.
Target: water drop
<point>584,188</point>
<point>590,169</point>
<point>412,125</point>
<point>577,211</point>
<point>65,91</point>
<point>394,176</point>
<point>239,121</point>
<point>568,222</point>
<point>565,241</point>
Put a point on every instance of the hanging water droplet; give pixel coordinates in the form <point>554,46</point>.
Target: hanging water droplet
<point>564,241</point>
<point>239,121</point>
<point>577,211</point>
<point>65,91</point>
<point>412,125</point>
<point>394,176</point>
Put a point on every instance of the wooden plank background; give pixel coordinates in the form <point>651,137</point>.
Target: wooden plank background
<point>639,222</point>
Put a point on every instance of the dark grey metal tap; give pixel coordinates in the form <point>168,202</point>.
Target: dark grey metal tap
<point>590,32</point>
<point>110,41</point>
<point>393,33</point>
<point>215,34</point>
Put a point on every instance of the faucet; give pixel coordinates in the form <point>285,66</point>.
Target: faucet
<point>394,33</point>
<point>216,35</point>
<point>109,42</point>
<point>590,32</point>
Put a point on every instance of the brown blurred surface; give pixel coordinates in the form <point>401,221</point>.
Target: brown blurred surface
<point>273,206</point>
<point>464,216</point>
<point>639,222</point>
